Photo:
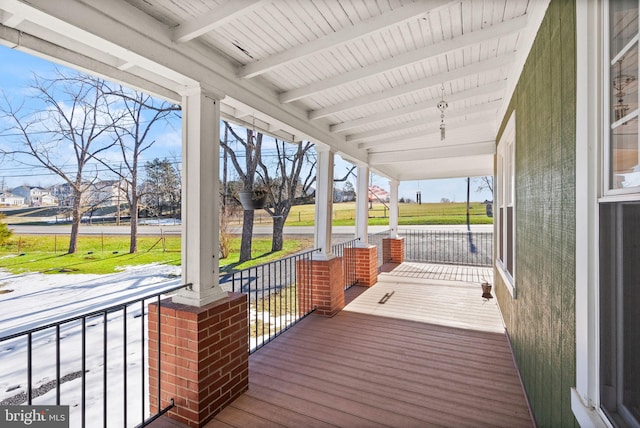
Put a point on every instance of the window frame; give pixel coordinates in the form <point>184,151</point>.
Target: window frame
<point>607,191</point>
<point>593,132</point>
<point>505,186</point>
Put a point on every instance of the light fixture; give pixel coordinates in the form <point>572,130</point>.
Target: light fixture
<point>442,106</point>
<point>620,82</point>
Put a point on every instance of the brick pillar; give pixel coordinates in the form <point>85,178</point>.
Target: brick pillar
<point>364,260</point>
<point>204,362</point>
<point>393,250</point>
<point>320,285</point>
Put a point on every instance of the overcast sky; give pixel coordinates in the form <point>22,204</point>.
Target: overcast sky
<point>17,69</point>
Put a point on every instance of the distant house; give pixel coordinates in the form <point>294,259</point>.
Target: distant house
<point>107,193</point>
<point>35,196</point>
<point>63,193</point>
<point>10,200</point>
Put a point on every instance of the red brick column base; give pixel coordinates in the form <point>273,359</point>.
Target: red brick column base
<point>204,362</point>
<point>320,285</point>
<point>393,250</point>
<point>364,260</point>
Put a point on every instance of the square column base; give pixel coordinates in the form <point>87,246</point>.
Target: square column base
<point>204,357</point>
<point>364,262</point>
<point>322,286</point>
<point>393,250</point>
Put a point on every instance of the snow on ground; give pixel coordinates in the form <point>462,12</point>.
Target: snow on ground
<point>37,300</point>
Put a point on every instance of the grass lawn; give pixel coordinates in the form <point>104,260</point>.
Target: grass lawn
<point>344,214</point>
<point>47,253</point>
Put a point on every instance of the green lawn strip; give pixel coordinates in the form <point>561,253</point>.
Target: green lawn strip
<point>427,213</point>
<point>110,254</point>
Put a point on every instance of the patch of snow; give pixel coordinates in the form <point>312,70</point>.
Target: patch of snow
<point>40,299</point>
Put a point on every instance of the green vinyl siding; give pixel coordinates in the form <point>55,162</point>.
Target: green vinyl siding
<point>541,320</point>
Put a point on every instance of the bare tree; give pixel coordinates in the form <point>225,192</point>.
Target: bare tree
<point>485,182</point>
<point>140,114</point>
<point>252,148</point>
<point>287,183</point>
<point>68,129</point>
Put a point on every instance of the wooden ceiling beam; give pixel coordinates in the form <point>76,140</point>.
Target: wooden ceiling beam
<point>480,91</point>
<point>419,85</point>
<point>502,29</point>
<point>348,34</point>
<point>219,16</point>
<point>434,119</point>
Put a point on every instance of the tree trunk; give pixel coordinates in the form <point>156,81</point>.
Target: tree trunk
<point>76,217</point>
<point>278,226</point>
<point>133,242</point>
<point>247,236</point>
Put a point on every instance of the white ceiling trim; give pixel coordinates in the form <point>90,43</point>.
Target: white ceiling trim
<point>203,24</point>
<point>152,49</point>
<point>495,87</point>
<point>452,115</point>
<point>499,30</point>
<point>475,149</point>
<point>338,38</point>
<point>418,85</point>
<point>468,166</point>
<point>420,136</point>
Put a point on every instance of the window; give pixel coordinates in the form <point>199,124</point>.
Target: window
<point>619,223</point>
<point>505,194</point>
<point>622,164</point>
<point>619,303</point>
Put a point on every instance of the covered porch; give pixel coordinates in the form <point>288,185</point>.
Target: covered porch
<point>410,351</point>
<point>373,86</point>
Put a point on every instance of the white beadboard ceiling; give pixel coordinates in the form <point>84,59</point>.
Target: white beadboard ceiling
<point>361,76</point>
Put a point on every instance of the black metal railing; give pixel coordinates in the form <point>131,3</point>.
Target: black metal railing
<point>279,294</point>
<point>96,363</point>
<point>450,247</point>
<point>348,261</point>
<point>376,239</point>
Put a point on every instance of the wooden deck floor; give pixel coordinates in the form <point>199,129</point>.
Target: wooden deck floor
<point>435,354</point>
<point>472,274</point>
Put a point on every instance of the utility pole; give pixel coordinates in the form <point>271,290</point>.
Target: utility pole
<point>118,197</point>
<point>468,205</point>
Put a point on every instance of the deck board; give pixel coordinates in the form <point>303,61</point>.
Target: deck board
<point>435,354</point>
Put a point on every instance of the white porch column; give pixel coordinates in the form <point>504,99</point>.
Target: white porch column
<point>362,207</point>
<point>200,198</point>
<point>393,209</point>
<point>324,202</point>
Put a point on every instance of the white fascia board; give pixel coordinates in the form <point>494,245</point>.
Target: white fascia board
<point>132,35</point>
<point>461,166</point>
<point>483,148</point>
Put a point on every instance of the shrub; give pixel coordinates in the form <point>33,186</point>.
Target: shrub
<point>5,232</point>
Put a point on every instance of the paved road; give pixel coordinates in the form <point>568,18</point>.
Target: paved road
<point>257,229</point>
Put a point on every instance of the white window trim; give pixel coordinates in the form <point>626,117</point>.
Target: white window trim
<point>591,152</point>
<point>507,139</point>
